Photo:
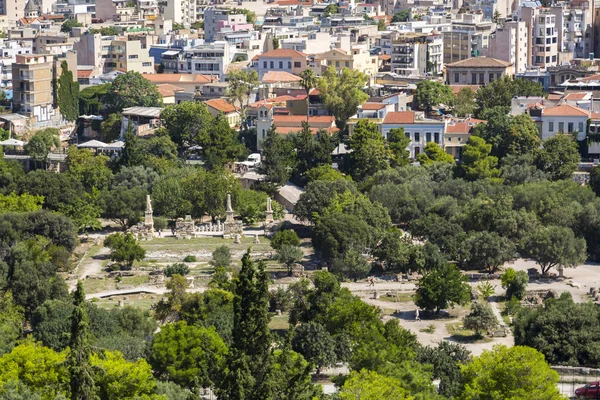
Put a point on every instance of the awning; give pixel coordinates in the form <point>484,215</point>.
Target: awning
<point>12,142</point>
<point>171,52</point>
<point>92,144</point>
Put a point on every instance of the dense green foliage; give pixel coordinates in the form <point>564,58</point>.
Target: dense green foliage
<point>68,94</point>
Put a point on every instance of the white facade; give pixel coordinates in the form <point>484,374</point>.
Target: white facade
<point>207,59</point>
<point>551,125</point>
<point>509,44</point>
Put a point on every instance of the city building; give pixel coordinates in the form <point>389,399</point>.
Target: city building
<point>510,43</point>
<point>32,86</point>
<point>467,36</point>
<point>291,61</point>
<point>417,128</point>
<point>216,19</point>
<point>542,37</point>
<point>417,54</point>
<point>357,59</point>
<point>108,53</point>
<point>477,71</point>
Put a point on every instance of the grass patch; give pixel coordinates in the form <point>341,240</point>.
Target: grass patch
<point>399,297</point>
<point>98,285</point>
<point>143,301</point>
<point>461,335</point>
<point>204,243</point>
<point>279,322</point>
<point>91,252</point>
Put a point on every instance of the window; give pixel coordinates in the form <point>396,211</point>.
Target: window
<point>474,78</point>
<point>428,137</point>
<point>561,127</point>
<point>436,137</point>
<point>289,65</point>
<point>271,64</point>
<point>481,77</point>
<point>264,64</point>
<point>553,58</point>
<point>146,64</point>
<point>280,64</point>
<point>347,64</point>
<point>132,56</point>
<point>297,64</point>
<point>550,126</point>
<point>337,64</point>
<point>417,137</point>
<point>456,77</point>
<point>580,127</point>
<point>407,134</point>
<point>570,127</point>
<point>491,78</point>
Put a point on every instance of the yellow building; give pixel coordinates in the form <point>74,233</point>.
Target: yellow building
<point>357,58</point>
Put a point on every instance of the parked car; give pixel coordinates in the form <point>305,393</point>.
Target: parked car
<point>589,391</point>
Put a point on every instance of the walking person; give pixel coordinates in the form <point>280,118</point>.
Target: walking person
<point>417,318</point>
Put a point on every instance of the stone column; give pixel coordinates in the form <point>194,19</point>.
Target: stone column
<point>229,210</point>
<point>269,213</point>
<point>148,220</point>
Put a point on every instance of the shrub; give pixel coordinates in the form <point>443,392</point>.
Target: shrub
<point>221,257</point>
<point>160,223</point>
<point>178,268</point>
<point>189,258</point>
<point>515,283</point>
<point>285,237</point>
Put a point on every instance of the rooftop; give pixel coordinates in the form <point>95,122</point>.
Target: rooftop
<point>143,111</point>
<point>280,76</point>
<point>174,78</point>
<point>480,62</point>
<point>565,110</point>
<point>400,117</point>
<point>221,105</point>
<point>281,53</point>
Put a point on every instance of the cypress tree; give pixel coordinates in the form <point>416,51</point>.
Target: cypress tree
<point>68,94</point>
<point>82,381</point>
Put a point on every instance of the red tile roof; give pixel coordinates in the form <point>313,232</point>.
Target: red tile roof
<point>84,73</point>
<point>373,106</point>
<point>280,76</point>
<point>175,78</point>
<point>283,119</point>
<point>286,130</point>
<point>457,88</point>
<point>168,90</point>
<point>463,126</point>
<point>576,96</point>
<point>595,77</point>
<point>565,110</point>
<point>282,53</point>
<point>221,105</point>
<point>479,62</point>
<point>400,117</point>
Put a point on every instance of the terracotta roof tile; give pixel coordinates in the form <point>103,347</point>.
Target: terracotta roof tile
<point>373,106</point>
<point>576,96</point>
<point>457,88</point>
<point>283,119</point>
<point>175,78</point>
<point>168,90</point>
<point>280,76</point>
<point>221,105</point>
<point>84,73</point>
<point>565,110</point>
<point>400,117</point>
<point>480,62</point>
<point>281,53</point>
<point>463,126</point>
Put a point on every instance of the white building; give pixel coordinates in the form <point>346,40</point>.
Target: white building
<point>509,43</point>
<point>417,128</point>
<point>207,58</point>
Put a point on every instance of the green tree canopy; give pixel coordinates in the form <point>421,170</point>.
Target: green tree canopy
<point>477,163</point>
<point>442,288</point>
<point>488,250</point>
<point>432,152</point>
<point>465,104</point>
<point>559,157</point>
<point>279,158</point>
<point>132,89</point>
<point>69,24</point>
<point>481,318</point>
<point>369,385</point>
<point>430,93</point>
<point>554,246</point>
<point>515,283</point>
<point>501,92</point>
<point>41,143</point>
<point>370,152</point>
<point>191,356</point>
<point>509,374</point>
<point>124,248</point>
<point>68,93</point>
<point>342,93</point>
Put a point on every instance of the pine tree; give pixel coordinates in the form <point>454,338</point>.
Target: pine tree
<point>68,94</point>
<point>250,365</point>
<point>82,381</point>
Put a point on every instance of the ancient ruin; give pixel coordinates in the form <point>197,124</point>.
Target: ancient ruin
<point>231,227</point>
<point>144,230</point>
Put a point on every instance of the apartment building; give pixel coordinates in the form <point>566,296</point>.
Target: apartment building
<point>291,61</point>
<point>312,43</point>
<point>509,43</point>
<point>180,11</point>
<point>417,53</point>
<point>417,128</point>
<point>13,9</point>
<point>467,36</point>
<point>542,35</point>
<point>207,58</point>
<point>109,53</point>
<point>32,86</point>
<point>574,26</point>
<point>217,19</point>
<point>357,59</point>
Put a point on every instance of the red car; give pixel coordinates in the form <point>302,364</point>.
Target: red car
<point>589,391</point>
